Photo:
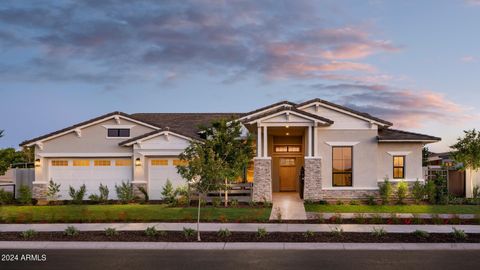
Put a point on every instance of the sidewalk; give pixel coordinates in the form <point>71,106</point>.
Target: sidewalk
<point>233,246</point>
<point>239,227</point>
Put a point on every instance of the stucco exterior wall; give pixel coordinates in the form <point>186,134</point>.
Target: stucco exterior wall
<point>364,155</point>
<point>470,183</point>
<point>413,160</point>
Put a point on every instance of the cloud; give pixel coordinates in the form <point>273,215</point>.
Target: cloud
<point>473,2</point>
<point>468,59</point>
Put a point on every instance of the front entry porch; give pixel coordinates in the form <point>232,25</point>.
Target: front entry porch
<point>287,206</point>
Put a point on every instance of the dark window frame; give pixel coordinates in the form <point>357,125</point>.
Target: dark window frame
<point>117,133</point>
<point>350,173</point>
<point>399,167</point>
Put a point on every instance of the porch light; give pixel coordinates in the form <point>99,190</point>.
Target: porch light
<point>286,126</point>
<point>287,133</point>
<point>138,162</point>
<point>37,162</point>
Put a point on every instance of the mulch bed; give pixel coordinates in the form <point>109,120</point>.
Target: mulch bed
<point>139,236</point>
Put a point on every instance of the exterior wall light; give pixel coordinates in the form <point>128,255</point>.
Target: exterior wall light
<point>138,162</point>
<point>37,162</point>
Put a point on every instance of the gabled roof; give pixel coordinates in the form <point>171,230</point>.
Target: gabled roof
<point>293,109</point>
<point>83,124</point>
<point>153,134</point>
<point>355,112</point>
<point>394,135</point>
<point>285,103</point>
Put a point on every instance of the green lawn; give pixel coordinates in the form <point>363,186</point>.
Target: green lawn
<point>126,213</point>
<point>432,209</point>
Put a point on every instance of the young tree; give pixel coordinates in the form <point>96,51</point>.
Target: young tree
<point>467,151</point>
<point>202,170</point>
<point>233,150</point>
<point>425,155</point>
<point>1,133</point>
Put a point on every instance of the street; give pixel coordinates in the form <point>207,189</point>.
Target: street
<point>239,259</point>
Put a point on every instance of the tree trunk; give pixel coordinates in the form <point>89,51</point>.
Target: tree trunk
<point>226,192</point>
<point>198,217</point>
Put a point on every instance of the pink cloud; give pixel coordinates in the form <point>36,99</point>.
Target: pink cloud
<point>468,59</point>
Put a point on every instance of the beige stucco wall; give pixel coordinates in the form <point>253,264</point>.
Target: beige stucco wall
<point>413,168</point>
<point>364,155</point>
<point>472,179</point>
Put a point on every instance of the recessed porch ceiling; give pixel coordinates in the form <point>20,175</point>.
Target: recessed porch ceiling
<point>282,131</point>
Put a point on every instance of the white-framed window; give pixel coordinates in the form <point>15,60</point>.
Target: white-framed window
<point>59,163</point>
<point>118,133</point>
<point>102,162</point>
<point>159,162</point>
<point>81,162</point>
<point>123,162</point>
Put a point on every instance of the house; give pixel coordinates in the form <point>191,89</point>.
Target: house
<point>345,153</point>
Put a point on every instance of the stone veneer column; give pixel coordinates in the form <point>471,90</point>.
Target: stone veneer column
<point>313,179</point>
<point>39,190</point>
<point>262,179</point>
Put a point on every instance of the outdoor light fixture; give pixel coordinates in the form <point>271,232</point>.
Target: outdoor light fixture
<point>286,126</point>
<point>37,162</point>
<point>138,162</point>
<point>287,133</point>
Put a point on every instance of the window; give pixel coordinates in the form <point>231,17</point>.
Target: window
<point>398,167</point>
<point>103,162</point>
<point>177,162</point>
<point>287,162</point>
<point>81,162</point>
<point>118,133</point>
<point>59,163</point>
<point>123,162</point>
<point>287,149</point>
<point>342,169</point>
<point>159,162</point>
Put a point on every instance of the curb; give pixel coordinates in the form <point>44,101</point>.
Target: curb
<point>11,245</point>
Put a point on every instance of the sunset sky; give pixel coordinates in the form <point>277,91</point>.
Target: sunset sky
<point>414,63</point>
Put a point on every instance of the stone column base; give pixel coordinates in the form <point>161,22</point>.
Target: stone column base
<point>39,190</point>
<point>136,189</point>
<point>262,180</point>
<point>313,179</point>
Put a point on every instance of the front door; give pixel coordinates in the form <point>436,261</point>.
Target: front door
<point>288,174</point>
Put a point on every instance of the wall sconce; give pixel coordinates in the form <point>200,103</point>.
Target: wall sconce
<point>37,162</point>
<point>138,162</point>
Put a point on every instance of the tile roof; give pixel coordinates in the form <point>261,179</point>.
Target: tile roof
<point>388,134</point>
<point>293,109</point>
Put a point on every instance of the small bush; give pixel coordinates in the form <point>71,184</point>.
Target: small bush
<point>144,192</point>
<point>371,200</point>
<point>188,233</point>
<point>77,195</point>
<point>337,232</point>
<point>266,203</point>
<point>436,219</point>
<point>71,231</point>
<point>354,202</point>
<point>168,192</point>
<point>252,204</point>
<point>386,191</point>
<point>430,191</point>
<point>262,233</point>
<point>402,190</point>
<point>308,234</point>
<point>6,197</point>
<point>379,232</point>
<point>418,191</point>
<point>216,202</point>
<point>459,234</point>
<point>421,234</point>
<point>125,192</point>
<point>376,219</point>
<point>111,232</point>
<point>340,203</point>
<point>234,203</point>
<point>52,191</point>
<point>103,194</point>
<point>359,218</point>
<point>224,233</point>
<point>28,234</point>
<point>476,194</point>
<point>151,231</point>
<point>337,218</point>
<point>25,195</point>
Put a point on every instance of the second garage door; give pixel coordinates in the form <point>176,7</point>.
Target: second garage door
<point>161,169</point>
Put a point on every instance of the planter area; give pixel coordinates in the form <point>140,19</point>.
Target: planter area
<point>177,236</point>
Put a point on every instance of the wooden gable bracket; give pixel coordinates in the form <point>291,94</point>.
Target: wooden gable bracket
<point>287,116</point>
<point>117,119</point>
<point>167,134</point>
<point>78,132</point>
<point>317,107</point>
<point>139,144</point>
<point>40,145</point>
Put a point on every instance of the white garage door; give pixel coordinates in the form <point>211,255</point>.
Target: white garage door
<point>91,172</point>
<point>161,169</point>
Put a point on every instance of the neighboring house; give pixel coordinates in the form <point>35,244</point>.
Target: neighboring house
<point>345,153</point>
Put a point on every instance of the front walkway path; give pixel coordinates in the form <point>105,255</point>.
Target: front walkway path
<point>287,206</point>
<point>239,227</point>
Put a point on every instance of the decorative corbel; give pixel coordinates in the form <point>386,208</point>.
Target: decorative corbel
<point>287,115</point>
<point>40,145</point>
<point>317,107</point>
<point>117,119</point>
<point>78,132</point>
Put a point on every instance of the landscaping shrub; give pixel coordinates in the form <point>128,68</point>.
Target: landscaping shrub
<point>168,192</point>
<point>308,234</point>
<point>376,219</point>
<point>337,218</point>
<point>337,232</point>
<point>386,191</point>
<point>379,232</point>
<point>144,192</point>
<point>436,219</point>
<point>418,191</point>
<point>224,233</point>
<point>151,231</point>
<point>77,195</point>
<point>340,202</point>
<point>371,200</point>
<point>216,202</point>
<point>359,218</point>
<point>6,197</point>
<point>354,202</point>
<point>459,234</point>
<point>52,191</point>
<point>402,190</point>
<point>252,204</point>
<point>103,194</point>
<point>25,195</point>
<point>125,192</point>
<point>261,233</point>
<point>266,203</point>
<point>28,234</point>
<point>421,234</point>
<point>430,191</point>
<point>71,231</point>
<point>111,232</point>
<point>234,203</point>
<point>476,194</point>
<point>189,233</point>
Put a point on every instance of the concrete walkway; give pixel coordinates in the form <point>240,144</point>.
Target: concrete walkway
<point>316,215</point>
<point>240,227</point>
<point>12,245</point>
<point>287,206</point>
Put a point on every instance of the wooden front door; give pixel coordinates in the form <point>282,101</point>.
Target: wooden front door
<point>288,174</point>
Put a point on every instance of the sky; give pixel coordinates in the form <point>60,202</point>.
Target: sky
<point>414,63</point>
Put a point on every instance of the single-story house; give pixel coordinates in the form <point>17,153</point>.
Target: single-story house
<point>345,153</point>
